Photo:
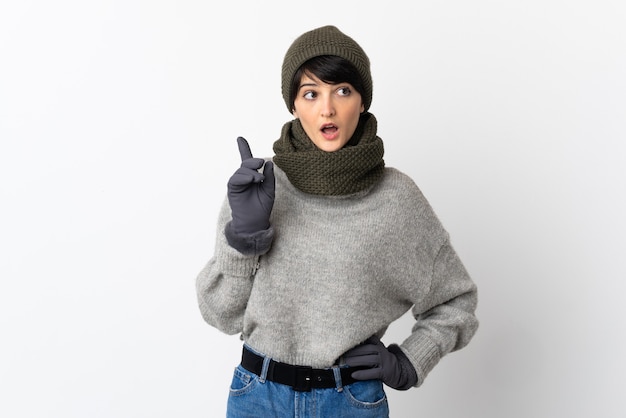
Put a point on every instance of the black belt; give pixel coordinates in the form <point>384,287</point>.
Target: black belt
<point>300,378</point>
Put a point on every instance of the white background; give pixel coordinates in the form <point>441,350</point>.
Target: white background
<point>118,122</point>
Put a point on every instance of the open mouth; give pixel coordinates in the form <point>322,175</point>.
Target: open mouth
<point>330,130</point>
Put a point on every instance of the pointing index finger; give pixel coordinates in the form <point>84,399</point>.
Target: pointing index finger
<point>244,148</point>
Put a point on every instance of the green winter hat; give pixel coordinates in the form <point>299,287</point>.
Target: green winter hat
<point>326,40</point>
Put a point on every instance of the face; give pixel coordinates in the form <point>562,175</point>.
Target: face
<point>329,113</point>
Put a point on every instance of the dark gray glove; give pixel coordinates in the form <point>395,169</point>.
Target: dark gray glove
<point>387,364</point>
<point>250,193</point>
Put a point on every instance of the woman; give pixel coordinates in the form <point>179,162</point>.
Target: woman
<point>321,250</point>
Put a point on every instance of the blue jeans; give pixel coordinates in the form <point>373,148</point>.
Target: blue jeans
<point>253,396</point>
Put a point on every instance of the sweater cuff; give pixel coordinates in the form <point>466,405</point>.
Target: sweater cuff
<point>408,371</point>
<point>423,355</point>
<point>257,243</point>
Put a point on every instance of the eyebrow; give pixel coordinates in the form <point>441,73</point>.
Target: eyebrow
<point>307,85</point>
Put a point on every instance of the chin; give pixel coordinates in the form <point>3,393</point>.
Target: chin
<point>331,148</point>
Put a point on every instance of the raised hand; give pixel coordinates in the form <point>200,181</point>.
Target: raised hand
<point>251,193</point>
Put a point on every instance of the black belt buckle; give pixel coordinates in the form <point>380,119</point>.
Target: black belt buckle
<point>303,376</point>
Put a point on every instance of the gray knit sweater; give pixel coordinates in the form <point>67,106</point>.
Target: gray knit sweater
<point>339,270</point>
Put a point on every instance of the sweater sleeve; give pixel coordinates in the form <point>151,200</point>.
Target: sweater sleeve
<point>224,284</point>
<point>445,319</point>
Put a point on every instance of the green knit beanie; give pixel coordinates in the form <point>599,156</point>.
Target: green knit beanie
<point>326,40</point>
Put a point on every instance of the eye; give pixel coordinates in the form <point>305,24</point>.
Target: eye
<point>309,95</point>
<point>344,91</point>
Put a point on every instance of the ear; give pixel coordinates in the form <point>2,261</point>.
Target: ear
<point>362,107</point>
<point>294,113</point>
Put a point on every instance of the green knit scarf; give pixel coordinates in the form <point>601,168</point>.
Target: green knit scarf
<point>355,167</point>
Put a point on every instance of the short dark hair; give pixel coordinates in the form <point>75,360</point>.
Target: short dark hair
<point>330,69</point>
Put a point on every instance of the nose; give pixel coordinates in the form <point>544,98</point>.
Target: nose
<point>327,107</point>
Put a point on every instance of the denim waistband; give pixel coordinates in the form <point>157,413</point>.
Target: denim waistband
<point>300,378</point>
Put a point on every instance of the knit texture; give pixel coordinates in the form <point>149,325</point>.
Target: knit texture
<point>326,40</point>
<point>354,168</point>
<point>340,270</point>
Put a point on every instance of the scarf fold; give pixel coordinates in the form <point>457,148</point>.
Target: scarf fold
<point>354,168</point>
